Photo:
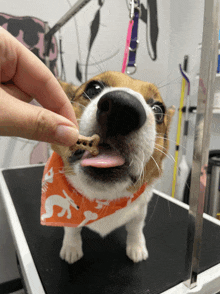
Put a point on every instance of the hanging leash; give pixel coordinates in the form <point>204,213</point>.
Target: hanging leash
<point>132,38</point>
<point>128,40</point>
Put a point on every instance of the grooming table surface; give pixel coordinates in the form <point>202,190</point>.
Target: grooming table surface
<point>105,268</point>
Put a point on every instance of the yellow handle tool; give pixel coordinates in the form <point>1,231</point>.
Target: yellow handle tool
<point>178,136</point>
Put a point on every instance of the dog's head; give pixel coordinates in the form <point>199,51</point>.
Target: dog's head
<point>133,123</point>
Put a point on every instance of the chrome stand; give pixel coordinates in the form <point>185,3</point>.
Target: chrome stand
<point>205,99</point>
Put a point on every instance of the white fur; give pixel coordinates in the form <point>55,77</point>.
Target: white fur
<point>142,149</point>
<point>141,146</point>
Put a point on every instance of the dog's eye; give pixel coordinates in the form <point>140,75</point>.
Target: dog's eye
<point>93,89</point>
<point>159,112</point>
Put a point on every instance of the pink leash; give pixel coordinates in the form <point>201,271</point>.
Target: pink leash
<point>128,40</point>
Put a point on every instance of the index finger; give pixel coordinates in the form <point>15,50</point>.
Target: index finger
<point>30,75</point>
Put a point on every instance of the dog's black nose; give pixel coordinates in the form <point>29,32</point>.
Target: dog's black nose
<point>120,113</point>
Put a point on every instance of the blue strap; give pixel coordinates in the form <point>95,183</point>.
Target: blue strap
<point>134,40</point>
<point>184,74</point>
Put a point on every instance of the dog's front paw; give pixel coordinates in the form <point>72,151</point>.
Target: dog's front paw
<point>137,252</point>
<point>71,253</point>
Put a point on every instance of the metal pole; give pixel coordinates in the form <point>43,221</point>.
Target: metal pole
<point>64,19</point>
<point>205,99</point>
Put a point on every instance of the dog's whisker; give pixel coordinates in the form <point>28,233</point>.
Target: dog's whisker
<point>131,162</point>
<point>142,168</point>
<point>164,80</point>
<point>176,80</point>
<point>87,96</point>
<point>104,64</point>
<point>172,141</point>
<point>84,93</point>
<point>166,151</point>
<point>97,63</point>
<point>103,61</point>
<point>166,155</point>
<point>167,78</point>
<point>159,170</point>
<point>171,156</point>
<point>77,103</point>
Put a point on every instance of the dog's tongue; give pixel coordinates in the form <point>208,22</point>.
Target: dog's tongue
<point>104,159</point>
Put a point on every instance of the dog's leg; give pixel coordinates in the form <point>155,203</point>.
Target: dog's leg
<point>136,246</point>
<point>71,250</point>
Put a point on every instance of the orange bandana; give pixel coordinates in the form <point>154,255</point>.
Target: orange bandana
<point>62,205</point>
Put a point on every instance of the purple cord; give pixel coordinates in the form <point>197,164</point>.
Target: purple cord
<point>186,78</point>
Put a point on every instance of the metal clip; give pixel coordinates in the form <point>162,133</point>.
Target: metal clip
<point>134,49</point>
<point>132,9</point>
<point>133,72</point>
<point>139,9</point>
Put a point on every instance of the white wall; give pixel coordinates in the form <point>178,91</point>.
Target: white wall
<point>180,32</point>
<point>186,25</point>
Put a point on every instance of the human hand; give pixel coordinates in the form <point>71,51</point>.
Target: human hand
<point>24,77</point>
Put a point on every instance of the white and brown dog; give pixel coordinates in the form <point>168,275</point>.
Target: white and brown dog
<point>133,123</point>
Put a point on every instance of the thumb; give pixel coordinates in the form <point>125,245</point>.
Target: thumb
<point>20,119</point>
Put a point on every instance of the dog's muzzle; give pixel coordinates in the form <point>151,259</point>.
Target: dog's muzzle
<point>119,112</point>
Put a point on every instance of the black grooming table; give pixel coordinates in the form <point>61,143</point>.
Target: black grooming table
<point>105,268</point>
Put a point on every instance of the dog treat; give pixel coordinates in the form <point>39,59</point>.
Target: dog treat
<point>87,143</point>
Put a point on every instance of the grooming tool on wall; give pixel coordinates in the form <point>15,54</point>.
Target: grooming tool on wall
<point>63,72</point>
<point>183,168</point>
<point>175,169</point>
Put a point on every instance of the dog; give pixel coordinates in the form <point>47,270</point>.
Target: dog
<point>133,123</point>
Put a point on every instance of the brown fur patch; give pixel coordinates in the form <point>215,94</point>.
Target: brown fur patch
<point>69,89</point>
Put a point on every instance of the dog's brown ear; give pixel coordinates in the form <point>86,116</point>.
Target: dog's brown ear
<point>170,113</point>
<point>69,89</point>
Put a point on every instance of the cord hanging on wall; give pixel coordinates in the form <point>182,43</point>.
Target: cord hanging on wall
<point>63,72</point>
<point>178,135</point>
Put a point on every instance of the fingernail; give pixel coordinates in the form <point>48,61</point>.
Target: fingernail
<point>66,135</point>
